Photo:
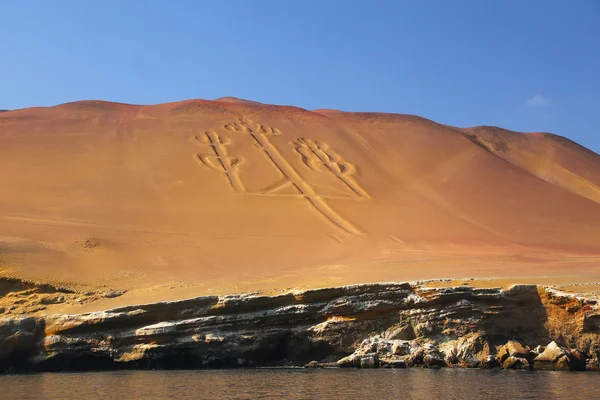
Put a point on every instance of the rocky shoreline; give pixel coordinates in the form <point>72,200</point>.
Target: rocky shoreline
<point>394,325</point>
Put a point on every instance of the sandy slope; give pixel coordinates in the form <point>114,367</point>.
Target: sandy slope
<point>552,158</point>
<point>232,195</point>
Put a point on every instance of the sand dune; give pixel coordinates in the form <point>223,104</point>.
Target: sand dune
<point>552,158</point>
<point>237,195</point>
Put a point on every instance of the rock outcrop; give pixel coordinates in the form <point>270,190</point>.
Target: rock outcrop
<point>555,357</point>
<point>365,326</point>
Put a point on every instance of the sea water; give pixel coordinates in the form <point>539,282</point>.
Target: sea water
<point>304,384</point>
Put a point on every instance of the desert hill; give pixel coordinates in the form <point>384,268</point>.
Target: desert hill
<point>552,158</point>
<point>231,195</point>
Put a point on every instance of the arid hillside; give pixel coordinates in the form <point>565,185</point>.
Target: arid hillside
<point>231,195</point>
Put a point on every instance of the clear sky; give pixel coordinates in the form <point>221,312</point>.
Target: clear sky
<point>528,65</point>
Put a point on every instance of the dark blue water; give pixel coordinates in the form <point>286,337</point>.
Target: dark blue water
<point>304,384</point>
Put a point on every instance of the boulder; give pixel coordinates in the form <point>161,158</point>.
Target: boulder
<point>359,361</point>
<point>369,361</point>
<point>433,361</point>
<point>553,357</point>
<point>400,348</point>
<point>516,363</point>
<point>384,347</point>
<point>415,358</point>
<point>402,332</point>
<point>397,364</point>
<point>312,364</point>
<point>468,351</point>
<point>514,349</point>
<point>433,357</point>
<point>349,362</point>
<point>556,357</point>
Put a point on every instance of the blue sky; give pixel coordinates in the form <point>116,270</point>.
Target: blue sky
<point>525,65</point>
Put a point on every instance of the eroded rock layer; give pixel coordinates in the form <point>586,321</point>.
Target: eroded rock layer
<point>371,325</point>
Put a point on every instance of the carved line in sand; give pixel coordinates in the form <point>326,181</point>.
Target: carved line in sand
<point>220,160</point>
<point>320,157</point>
<point>260,134</point>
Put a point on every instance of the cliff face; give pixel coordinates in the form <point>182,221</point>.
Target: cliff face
<point>363,325</point>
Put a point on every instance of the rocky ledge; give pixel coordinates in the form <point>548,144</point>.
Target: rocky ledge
<point>365,326</point>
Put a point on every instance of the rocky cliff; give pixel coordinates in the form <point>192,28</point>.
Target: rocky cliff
<point>371,325</point>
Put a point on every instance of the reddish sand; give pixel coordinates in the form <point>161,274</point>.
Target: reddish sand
<point>231,195</point>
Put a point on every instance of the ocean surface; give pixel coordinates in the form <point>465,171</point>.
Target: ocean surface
<point>303,384</point>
